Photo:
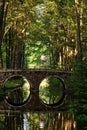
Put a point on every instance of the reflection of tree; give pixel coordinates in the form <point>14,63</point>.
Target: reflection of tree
<point>11,120</point>
<point>52,121</point>
<point>61,121</point>
<point>51,90</point>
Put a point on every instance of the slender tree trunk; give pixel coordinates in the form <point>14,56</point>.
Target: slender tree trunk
<point>78,42</point>
<point>1,29</point>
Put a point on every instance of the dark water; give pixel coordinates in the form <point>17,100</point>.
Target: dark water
<point>37,121</point>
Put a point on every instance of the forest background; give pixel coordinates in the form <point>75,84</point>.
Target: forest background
<point>53,27</point>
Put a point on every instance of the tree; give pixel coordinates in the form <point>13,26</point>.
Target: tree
<point>2,13</point>
<point>15,32</point>
<point>79,33</point>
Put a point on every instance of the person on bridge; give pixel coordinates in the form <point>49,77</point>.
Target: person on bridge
<point>43,59</point>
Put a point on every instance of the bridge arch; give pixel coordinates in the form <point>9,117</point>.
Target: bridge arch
<point>17,90</point>
<point>52,90</point>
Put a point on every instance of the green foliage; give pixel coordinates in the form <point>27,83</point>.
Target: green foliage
<point>78,101</point>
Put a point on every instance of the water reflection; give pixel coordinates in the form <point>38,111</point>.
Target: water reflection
<point>37,121</point>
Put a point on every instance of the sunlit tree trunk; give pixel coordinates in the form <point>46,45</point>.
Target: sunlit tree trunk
<point>79,34</point>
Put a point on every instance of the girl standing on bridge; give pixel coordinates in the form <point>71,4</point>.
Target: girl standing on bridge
<point>43,59</point>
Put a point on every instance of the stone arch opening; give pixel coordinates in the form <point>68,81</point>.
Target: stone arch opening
<point>17,90</point>
<point>52,91</point>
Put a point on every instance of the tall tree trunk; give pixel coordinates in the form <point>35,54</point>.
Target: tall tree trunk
<point>78,42</point>
<point>1,29</point>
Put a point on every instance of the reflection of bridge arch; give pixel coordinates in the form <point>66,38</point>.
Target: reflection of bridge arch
<point>35,76</point>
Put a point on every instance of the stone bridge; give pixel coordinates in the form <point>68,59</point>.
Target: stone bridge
<point>34,77</point>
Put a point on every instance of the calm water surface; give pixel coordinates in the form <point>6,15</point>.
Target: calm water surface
<point>37,121</point>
